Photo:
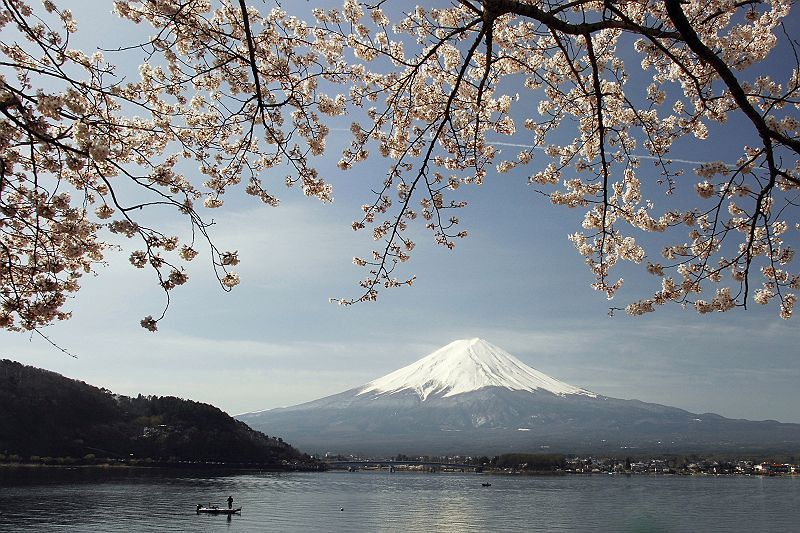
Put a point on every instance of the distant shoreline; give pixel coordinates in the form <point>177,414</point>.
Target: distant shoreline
<point>157,466</point>
<point>489,473</point>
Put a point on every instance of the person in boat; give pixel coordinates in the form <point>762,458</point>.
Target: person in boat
<point>230,502</point>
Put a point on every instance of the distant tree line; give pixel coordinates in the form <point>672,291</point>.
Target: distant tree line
<point>538,462</point>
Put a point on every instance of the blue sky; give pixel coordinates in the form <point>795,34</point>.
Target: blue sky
<point>516,281</point>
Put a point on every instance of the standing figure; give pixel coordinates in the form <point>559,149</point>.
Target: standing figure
<point>230,502</point>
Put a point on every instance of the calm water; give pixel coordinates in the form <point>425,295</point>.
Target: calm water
<point>151,501</point>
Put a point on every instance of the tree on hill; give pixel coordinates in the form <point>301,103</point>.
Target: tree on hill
<point>600,97</point>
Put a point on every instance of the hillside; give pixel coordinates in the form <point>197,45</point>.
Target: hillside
<point>48,415</point>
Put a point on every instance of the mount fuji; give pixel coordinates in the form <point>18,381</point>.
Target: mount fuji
<point>471,397</point>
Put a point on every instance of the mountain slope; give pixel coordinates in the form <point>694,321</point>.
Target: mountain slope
<point>472,397</point>
<point>45,414</point>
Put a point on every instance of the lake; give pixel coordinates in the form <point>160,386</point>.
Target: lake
<point>141,500</point>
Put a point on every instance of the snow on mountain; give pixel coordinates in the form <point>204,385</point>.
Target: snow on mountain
<point>464,366</point>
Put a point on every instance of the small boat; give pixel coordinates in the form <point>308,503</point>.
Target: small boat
<point>213,509</point>
<point>486,484</point>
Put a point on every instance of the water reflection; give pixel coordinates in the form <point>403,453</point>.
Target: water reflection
<point>93,501</point>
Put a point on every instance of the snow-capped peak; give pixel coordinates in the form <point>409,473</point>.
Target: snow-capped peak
<point>468,365</point>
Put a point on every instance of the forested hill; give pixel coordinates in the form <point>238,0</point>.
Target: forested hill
<point>44,414</point>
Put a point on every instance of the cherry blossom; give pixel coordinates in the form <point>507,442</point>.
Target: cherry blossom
<point>232,95</point>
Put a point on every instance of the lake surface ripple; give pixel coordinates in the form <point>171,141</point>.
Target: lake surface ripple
<point>90,500</point>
